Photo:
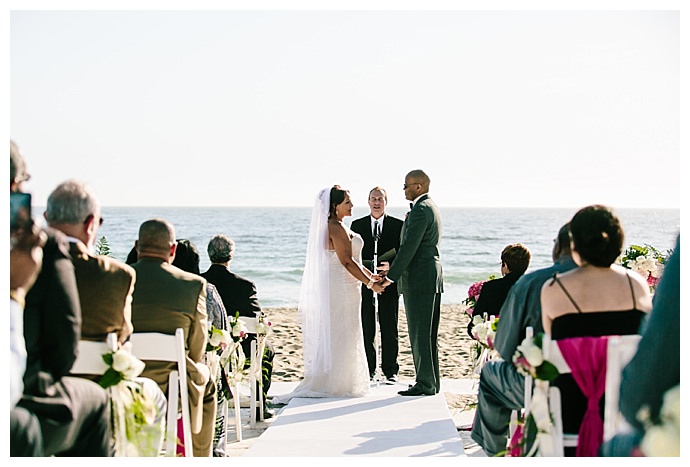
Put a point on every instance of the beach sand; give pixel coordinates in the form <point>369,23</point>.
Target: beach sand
<point>453,342</point>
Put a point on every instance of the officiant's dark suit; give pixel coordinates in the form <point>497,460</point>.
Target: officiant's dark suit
<point>388,301</point>
<point>417,271</point>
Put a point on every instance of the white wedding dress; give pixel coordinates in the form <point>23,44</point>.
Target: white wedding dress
<point>349,374</point>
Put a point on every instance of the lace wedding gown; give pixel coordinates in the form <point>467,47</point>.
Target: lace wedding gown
<point>349,373</point>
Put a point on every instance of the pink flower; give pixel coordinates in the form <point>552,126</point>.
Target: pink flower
<point>470,310</point>
<point>475,289</point>
<point>516,442</point>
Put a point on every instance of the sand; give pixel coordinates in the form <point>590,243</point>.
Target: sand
<point>453,341</point>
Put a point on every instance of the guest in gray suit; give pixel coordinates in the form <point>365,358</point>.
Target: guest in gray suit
<point>501,387</point>
<point>417,271</point>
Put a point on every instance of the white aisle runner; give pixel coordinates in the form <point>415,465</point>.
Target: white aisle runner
<point>382,423</point>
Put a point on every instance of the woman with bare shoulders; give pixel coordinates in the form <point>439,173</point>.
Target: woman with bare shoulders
<point>335,364</point>
<point>599,297</point>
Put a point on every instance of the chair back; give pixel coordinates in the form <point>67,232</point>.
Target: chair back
<point>155,346</point>
<point>619,352</point>
<point>89,359</point>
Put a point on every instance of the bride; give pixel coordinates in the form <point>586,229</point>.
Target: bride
<point>335,364</point>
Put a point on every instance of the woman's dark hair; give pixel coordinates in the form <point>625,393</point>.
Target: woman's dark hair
<point>186,256</point>
<point>337,197</point>
<point>597,235</point>
<point>132,256</point>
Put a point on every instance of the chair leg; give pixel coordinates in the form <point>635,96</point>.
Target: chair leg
<point>171,423</point>
<point>238,418</point>
<point>252,385</point>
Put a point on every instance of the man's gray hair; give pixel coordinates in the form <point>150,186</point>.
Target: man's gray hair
<point>71,203</point>
<point>220,249</point>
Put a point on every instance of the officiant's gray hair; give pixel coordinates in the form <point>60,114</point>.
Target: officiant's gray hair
<point>220,249</point>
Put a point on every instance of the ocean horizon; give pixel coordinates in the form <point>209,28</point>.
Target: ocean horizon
<point>271,242</point>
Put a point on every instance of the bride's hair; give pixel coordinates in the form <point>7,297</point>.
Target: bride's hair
<point>337,197</point>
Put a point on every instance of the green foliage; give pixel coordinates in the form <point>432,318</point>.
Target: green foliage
<point>102,247</point>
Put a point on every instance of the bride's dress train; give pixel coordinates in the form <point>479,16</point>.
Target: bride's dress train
<point>349,373</point>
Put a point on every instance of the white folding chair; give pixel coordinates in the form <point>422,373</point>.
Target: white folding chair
<point>89,361</point>
<point>620,350</point>
<point>255,359</point>
<point>169,348</point>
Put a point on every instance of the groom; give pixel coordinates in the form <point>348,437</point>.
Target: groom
<point>417,271</point>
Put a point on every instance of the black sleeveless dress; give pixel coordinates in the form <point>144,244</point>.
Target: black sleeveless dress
<point>590,324</point>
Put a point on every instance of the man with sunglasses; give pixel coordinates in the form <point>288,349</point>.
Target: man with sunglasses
<point>417,271</point>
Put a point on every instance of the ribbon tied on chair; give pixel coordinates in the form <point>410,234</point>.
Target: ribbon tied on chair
<point>586,357</point>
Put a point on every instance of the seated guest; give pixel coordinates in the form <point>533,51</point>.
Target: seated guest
<point>659,349</point>
<point>187,259</point>
<point>599,298</point>
<point>166,298</point>
<point>74,413</point>
<point>105,284</point>
<point>514,262</point>
<point>501,386</point>
<point>26,254</point>
<point>239,295</point>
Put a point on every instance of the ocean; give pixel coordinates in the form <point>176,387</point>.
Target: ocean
<point>271,242</point>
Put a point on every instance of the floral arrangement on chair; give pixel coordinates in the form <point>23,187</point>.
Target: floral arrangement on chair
<point>647,261</point>
<point>218,339</point>
<point>662,439</point>
<point>529,359</point>
<point>130,405</point>
<point>483,332</point>
<point>536,425</point>
<point>473,294</point>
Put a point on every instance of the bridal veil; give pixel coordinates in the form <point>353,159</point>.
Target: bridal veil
<point>314,293</point>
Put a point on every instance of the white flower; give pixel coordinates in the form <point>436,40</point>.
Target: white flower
<point>239,329</point>
<point>531,352</point>
<point>664,440</point>
<point>477,320</point>
<point>661,441</point>
<point>219,336</point>
<point>670,409</point>
<point>127,364</point>
<point>262,328</point>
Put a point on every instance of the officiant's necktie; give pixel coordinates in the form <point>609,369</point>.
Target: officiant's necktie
<point>376,230</point>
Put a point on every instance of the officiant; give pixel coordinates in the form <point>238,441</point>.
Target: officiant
<point>387,228</point>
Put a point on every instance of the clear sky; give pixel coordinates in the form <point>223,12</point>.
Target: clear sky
<point>514,106</point>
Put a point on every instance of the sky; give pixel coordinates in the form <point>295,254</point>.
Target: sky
<point>525,106</point>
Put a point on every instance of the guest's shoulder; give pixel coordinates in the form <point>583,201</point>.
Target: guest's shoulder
<point>241,279</point>
<point>115,266</point>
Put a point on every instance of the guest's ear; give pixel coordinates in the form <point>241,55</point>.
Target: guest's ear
<point>173,249</point>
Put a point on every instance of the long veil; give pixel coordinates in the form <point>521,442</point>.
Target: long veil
<point>314,294</point>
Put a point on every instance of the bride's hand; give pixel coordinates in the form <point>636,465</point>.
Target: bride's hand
<point>376,278</point>
<point>377,287</point>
